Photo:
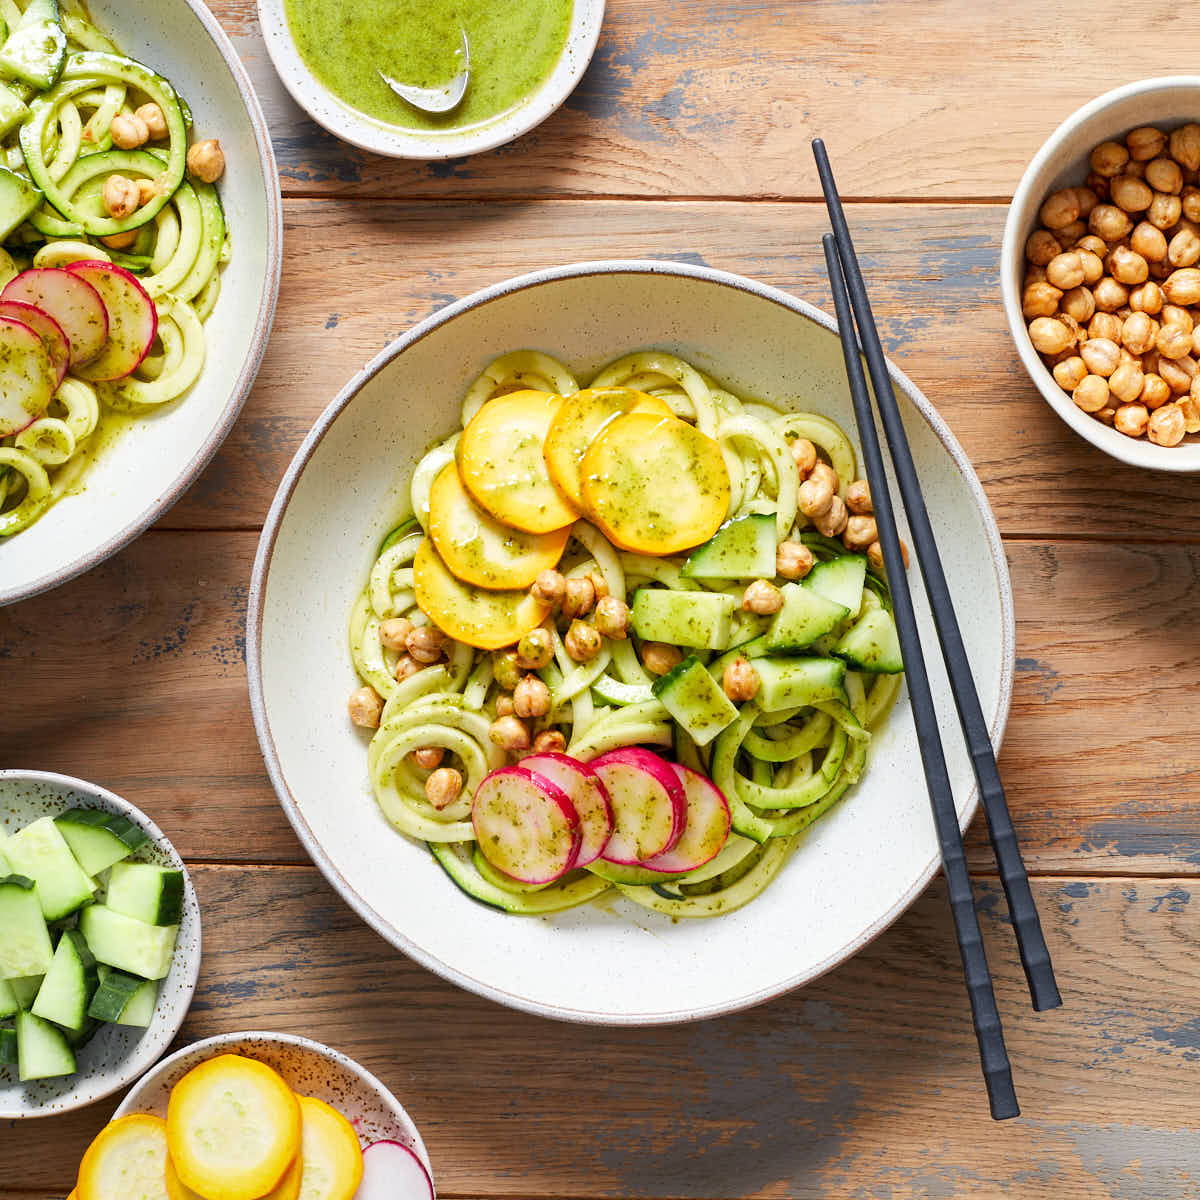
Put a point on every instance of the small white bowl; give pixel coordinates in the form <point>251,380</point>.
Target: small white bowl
<point>368,133</point>
<point>1063,162</point>
<point>118,1054</point>
<point>307,1067</point>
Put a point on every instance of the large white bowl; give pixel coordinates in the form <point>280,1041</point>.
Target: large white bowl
<point>379,137</point>
<point>137,476</point>
<point>609,962</point>
<point>117,1054</point>
<point>1063,162</point>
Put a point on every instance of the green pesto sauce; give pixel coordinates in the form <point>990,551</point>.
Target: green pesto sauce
<point>515,45</point>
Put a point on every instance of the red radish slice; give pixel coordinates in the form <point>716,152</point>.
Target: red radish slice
<point>132,321</point>
<point>46,327</point>
<point>525,825</point>
<point>391,1171</point>
<point>28,379</point>
<point>706,829</point>
<point>71,301</point>
<point>648,801</point>
<point>586,793</point>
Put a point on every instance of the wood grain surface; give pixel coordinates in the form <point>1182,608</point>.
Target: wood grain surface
<point>688,140</point>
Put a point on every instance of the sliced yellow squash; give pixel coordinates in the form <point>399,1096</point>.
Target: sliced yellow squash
<point>288,1188</point>
<point>482,618</point>
<point>126,1161</point>
<point>501,462</point>
<point>655,485</point>
<point>478,548</point>
<point>233,1127</point>
<point>579,421</point>
<point>333,1162</point>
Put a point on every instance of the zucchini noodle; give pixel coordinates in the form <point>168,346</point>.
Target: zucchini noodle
<point>175,243</point>
<point>780,771</point>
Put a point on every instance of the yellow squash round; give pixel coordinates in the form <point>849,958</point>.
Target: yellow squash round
<point>333,1162</point>
<point>126,1161</point>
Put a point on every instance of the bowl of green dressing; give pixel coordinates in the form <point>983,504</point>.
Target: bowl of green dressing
<point>526,56</point>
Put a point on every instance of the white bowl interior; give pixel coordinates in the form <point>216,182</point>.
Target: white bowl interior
<point>1063,162</point>
<point>307,1067</point>
<point>367,133</point>
<point>137,475</point>
<point>117,1054</point>
<point>611,961</point>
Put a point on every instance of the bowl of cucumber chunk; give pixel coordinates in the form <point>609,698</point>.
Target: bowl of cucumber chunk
<point>99,943</point>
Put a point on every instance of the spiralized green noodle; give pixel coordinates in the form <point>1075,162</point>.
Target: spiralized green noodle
<point>779,771</point>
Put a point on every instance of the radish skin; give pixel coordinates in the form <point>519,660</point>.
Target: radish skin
<point>648,801</point>
<point>706,829</point>
<point>132,321</point>
<point>391,1171</point>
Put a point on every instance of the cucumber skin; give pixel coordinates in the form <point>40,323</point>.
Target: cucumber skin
<point>146,892</point>
<point>8,1046</point>
<point>743,548</point>
<point>113,995</point>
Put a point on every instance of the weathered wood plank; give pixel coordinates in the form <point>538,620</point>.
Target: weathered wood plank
<point>133,676</point>
<point>865,1084</point>
<point>721,97</point>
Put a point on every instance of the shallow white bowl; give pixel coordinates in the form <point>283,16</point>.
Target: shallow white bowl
<point>1063,162</point>
<point>307,1067</point>
<point>367,133</point>
<point>609,962</point>
<point>139,475</point>
<point>118,1054</point>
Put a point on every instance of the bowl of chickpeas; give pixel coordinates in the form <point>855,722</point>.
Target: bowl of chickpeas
<point>1100,271</point>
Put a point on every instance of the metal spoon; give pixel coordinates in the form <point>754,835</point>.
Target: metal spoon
<point>436,100</point>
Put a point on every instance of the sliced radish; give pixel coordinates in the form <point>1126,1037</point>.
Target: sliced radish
<point>706,829</point>
<point>46,327</point>
<point>28,379</point>
<point>132,320</point>
<point>648,801</point>
<point>586,793</point>
<point>526,826</point>
<point>391,1171</point>
<point>71,301</point>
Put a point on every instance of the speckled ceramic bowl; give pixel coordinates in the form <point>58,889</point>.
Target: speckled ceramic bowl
<point>367,133</point>
<point>610,962</point>
<point>118,1054</point>
<point>307,1067</point>
<point>136,476</point>
<point>1063,162</point>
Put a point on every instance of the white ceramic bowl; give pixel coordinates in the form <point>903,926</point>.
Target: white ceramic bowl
<point>118,1054</point>
<point>137,476</point>
<point>607,962</point>
<point>307,1067</point>
<point>367,133</point>
<point>1063,162</point>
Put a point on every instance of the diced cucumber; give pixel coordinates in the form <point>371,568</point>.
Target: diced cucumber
<point>24,939</point>
<point>696,701</point>
<point>124,998</point>
<point>790,682</point>
<point>841,580</point>
<point>98,838</point>
<point>805,616</point>
<point>18,198</point>
<point>34,52</point>
<point>127,943</point>
<point>151,893</point>
<point>26,989</point>
<point>872,644</point>
<point>43,1051</point>
<point>13,110</point>
<point>9,1007</point>
<point>40,852</point>
<point>741,549</point>
<point>69,984</point>
<point>8,1046</point>
<point>699,619</point>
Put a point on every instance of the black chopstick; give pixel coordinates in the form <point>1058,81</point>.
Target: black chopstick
<point>997,1072</point>
<point>1035,956</point>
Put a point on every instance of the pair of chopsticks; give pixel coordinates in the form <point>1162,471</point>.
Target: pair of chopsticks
<point>851,304</point>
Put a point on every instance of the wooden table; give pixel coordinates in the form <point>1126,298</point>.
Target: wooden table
<point>688,139</point>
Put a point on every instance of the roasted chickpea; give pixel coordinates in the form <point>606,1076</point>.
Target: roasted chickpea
<point>1155,392</point>
<point>1189,202</point>
<point>579,598</point>
<point>1070,372</point>
<point>1092,393</point>
<point>1041,246</point>
<point>1086,199</point>
<point>428,758</point>
<point>583,641</point>
<point>1145,143</point>
<point>549,587</point>
<point>1196,340</point>
<point>128,131</point>
<point>535,649</point>
<point>1101,356</point>
<point>858,498</point>
<point>1109,222</point>
<point>505,671</point>
<point>146,192</point>
<point>1059,209</point>
<point>1166,426</point>
<point>1190,408</point>
<point>859,533</point>
<point>1097,184</point>
<point>425,643</point>
<point>1164,211</point>
<point>1105,325</point>
<point>1149,242</point>
<point>509,733</point>
<point>549,741</point>
<point>1131,419</point>
<point>1110,295</point>
<point>739,680</point>
<point>1091,244</point>
<point>833,520</point>
<point>1048,335</point>
<point>365,707</point>
<point>1138,333</point>
<point>1135,170</point>
<point>1078,334</point>
<point>762,598</point>
<point>1184,146</point>
<point>1108,158</point>
<point>1174,314</point>
<point>1148,299</point>
<point>1129,267</point>
<point>1129,194</point>
<point>659,657</point>
<point>793,560</point>
<point>1065,270</point>
<point>1176,375</point>
<point>205,161</point>
<point>816,495</point>
<point>504,705</point>
<point>875,555</point>
<point>612,617</point>
<point>1092,263</point>
<point>1184,249</point>
<point>443,787</point>
<point>1174,341</point>
<point>805,454</point>
<point>599,584</point>
<point>1125,383</point>
<point>1033,275</point>
<point>393,633</point>
<point>531,698</point>
<point>406,667</point>
<point>1040,300</point>
<point>1164,175</point>
<point>152,117</point>
<point>120,196</point>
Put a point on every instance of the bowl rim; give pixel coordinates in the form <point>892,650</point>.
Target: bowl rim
<point>219,1040</point>
<point>96,793</point>
<point>258,342</point>
<point>1133,451</point>
<point>265,552</point>
<point>358,129</point>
